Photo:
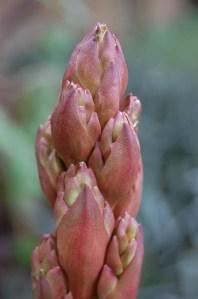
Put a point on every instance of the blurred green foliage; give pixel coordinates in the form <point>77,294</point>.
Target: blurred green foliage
<point>23,249</point>
<point>18,150</point>
<point>174,46</point>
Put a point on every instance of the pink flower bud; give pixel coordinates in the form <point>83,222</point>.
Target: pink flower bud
<point>107,283</point>
<point>97,63</point>
<point>75,125</point>
<point>82,239</point>
<point>132,106</point>
<point>49,165</point>
<point>120,276</point>
<point>116,162</point>
<point>48,278</point>
<point>71,184</point>
<point>132,204</point>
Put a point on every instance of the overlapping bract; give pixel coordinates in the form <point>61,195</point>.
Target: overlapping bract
<point>98,64</point>
<point>48,280</point>
<point>90,169</point>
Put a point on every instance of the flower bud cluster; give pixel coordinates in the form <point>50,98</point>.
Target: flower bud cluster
<point>90,169</point>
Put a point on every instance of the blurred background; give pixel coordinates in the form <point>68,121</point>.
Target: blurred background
<point>160,42</point>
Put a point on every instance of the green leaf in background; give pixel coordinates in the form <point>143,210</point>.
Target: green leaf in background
<point>170,46</point>
<point>22,249</point>
<point>22,181</point>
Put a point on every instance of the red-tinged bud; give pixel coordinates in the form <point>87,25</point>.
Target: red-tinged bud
<point>75,125</point>
<point>68,296</point>
<point>123,262</point>
<point>60,207</point>
<point>97,63</point>
<point>48,279</point>
<point>132,106</point>
<point>107,282</point>
<point>72,182</point>
<point>49,165</point>
<point>82,239</point>
<point>116,162</point>
<point>132,205</point>
<point>70,185</point>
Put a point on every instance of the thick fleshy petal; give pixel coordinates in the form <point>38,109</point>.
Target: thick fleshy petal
<point>107,96</point>
<point>48,162</point>
<point>75,125</point>
<point>84,65</point>
<point>81,242</point>
<point>70,185</point>
<point>107,283</point>
<point>97,63</point>
<point>113,257</point>
<point>48,279</point>
<point>44,256</point>
<point>129,281</point>
<point>60,207</point>
<point>54,284</point>
<point>132,204</point>
<point>123,262</point>
<point>132,106</point>
<point>119,172</point>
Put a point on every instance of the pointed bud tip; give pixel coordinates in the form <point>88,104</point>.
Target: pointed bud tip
<point>107,282</point>
<point>101,30</point>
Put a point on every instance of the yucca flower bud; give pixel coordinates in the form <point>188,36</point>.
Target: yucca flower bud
<point>48,279</point>
<point>70,185</point>
<point>48,162</point>
<point>120,276</point>
<point>132,106</point>
<point>82,238</point>
<point>116,162</point>
<point>75,124</point>
<point>97,63</point>
<point>90,168</point>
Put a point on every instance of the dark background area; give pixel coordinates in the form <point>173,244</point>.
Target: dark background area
<point>160,42</point>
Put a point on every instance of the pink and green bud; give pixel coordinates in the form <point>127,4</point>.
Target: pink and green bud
<point>107,283</point>
<point>48,162</point>
<point>82,238</point>
<point>132,106</point>
<point>97,63</point>
<point>120,276</point>
<point>75,124</point>
<point>132,204</point>
<point>116,162</point>
<point>48,279</point>
<point>71,184</point>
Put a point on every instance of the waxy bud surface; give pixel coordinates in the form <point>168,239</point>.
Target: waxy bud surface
<point>75,124</point>
<point>48,162</point>
<point>97,63</point>
<point>83,226</point>
<point>90,168</point>
<point>132,106</point>
<point>121,273</point>
<point>116,162</point>
<point>49,281</point>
